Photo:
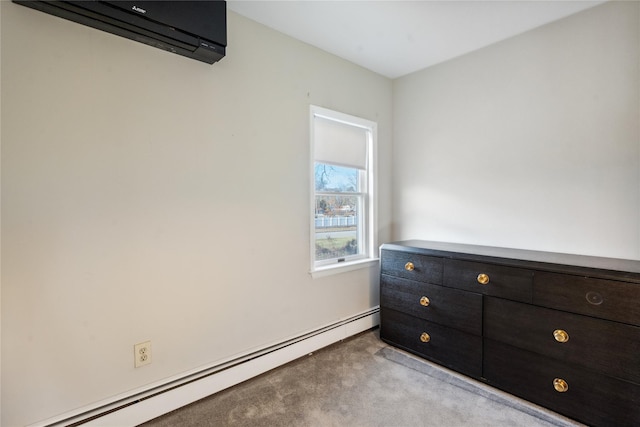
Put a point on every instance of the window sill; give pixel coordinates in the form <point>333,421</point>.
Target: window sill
<point>328,270</point>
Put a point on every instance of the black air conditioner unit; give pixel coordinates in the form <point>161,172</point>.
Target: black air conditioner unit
<point>196,29</point>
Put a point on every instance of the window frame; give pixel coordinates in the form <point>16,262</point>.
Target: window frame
<point>369,212</point>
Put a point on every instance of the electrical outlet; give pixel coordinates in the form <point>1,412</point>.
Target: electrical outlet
<point>142,354</point>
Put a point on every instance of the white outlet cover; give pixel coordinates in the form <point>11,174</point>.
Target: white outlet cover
<point>142,354</point>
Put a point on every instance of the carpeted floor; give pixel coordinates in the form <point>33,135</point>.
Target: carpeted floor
<point>361,382</point>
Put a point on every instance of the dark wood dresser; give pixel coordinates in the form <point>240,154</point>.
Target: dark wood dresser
<point>559,330</point>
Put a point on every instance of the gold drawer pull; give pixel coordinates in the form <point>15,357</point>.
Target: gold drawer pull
<point>560,385</point>
<point>483,279</point>
<point>424,337</point>
<point>424,301</point>
<point>560,335</point>
<point>409,266</point>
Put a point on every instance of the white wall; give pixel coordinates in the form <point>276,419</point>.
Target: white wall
<point>131,179</point>
<point>531,143</point>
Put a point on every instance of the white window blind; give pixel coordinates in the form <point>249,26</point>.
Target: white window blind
<point>340,144</point>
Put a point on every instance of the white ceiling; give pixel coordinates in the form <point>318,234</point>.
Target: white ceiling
<point>397,37</point>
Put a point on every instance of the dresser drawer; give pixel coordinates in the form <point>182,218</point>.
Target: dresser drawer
<point>446,346</point>
<point>412,266</point>
<point>591,398</point>
<point>608,347</point>
<point>448,307</point>
<point>489,279</point>
<point>606,299</point>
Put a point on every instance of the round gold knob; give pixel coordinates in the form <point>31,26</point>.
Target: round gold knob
<point>560,335</point>
<point>560,385</point>
<point>424,301</point>
<point>424,337</point>
<point>409,266</point>
<point>483,279</point>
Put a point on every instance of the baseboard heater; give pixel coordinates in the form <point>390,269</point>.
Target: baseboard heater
<point>159,399</point>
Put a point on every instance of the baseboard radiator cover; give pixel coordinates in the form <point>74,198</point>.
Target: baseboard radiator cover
<point>161,398</point>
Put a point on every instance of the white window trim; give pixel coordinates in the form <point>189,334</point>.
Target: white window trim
<point>371,226</point>
<point>343,267</point>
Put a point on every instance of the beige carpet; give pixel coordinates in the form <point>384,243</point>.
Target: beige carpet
<point>361,382</point>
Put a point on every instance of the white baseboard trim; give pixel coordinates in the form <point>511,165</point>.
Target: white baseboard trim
<point>148,404</point>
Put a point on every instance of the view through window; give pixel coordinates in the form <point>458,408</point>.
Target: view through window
<point>339,201</point>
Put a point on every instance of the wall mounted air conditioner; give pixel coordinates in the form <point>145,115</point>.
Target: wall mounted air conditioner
<point>196,29</point>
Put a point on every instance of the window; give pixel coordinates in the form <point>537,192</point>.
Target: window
<point>343,177</point>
